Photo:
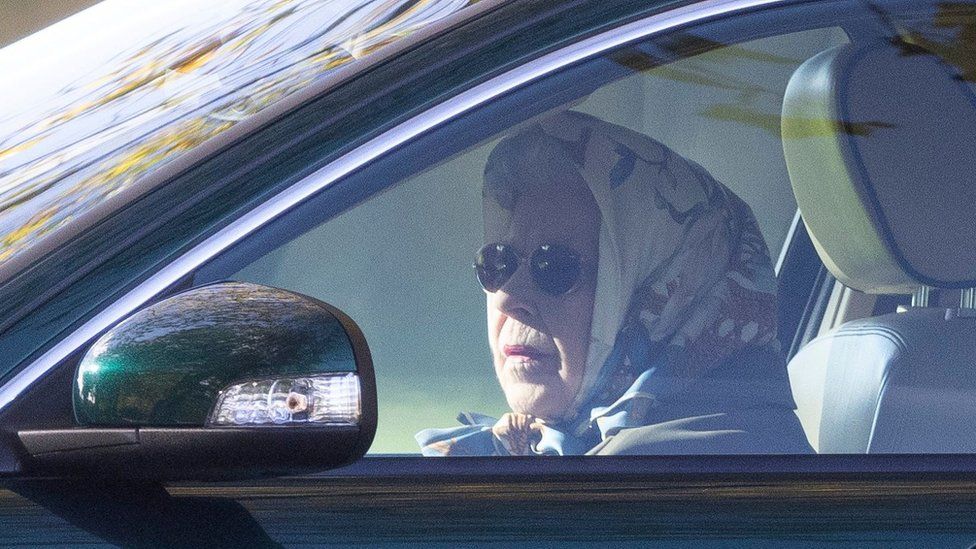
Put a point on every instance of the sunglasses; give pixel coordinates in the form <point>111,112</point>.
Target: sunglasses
<point>555,269</point>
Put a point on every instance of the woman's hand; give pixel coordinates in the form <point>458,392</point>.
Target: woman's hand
<point>518,433</point>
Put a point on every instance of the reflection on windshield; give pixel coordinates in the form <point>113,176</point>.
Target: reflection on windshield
<point>174,90</point>
<point>711,71</point>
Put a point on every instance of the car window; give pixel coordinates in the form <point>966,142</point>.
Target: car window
<point>400,263</point>
<point>587,265</point>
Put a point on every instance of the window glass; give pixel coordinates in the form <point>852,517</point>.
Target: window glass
<point>623,224</point>
<point>720,109</point>
<point>400,263</point>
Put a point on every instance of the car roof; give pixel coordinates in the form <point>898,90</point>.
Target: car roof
<point>82,135</point>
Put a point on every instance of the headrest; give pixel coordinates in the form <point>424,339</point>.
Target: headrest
<point>880,144</point>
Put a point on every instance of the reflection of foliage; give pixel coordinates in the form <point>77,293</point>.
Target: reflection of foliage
<point>949,34</point>
<point>796,129</point>
<point>173,92</point>
<point>711,71</point>
<point>699,73</point>
<point>167,363</point>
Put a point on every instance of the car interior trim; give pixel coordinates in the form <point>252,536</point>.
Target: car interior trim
<point>790,233</point>
<point>365,153</point>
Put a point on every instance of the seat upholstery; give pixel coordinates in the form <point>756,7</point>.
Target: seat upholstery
<point>881,151</point>
<point>891,384</point>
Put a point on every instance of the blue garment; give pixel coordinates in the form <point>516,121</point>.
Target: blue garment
<point>744,406</point>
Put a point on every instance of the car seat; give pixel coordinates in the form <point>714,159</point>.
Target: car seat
<point>880,144</point>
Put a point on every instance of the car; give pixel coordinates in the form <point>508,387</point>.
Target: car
<point>218,229</point>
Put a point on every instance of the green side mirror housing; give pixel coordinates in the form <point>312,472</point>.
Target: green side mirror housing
<point>167,364</point>
<point>226,380</point>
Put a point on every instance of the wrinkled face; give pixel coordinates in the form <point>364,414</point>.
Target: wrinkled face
<point>539,342</point>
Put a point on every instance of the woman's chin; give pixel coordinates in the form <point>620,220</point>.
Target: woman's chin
<point>542,400</point>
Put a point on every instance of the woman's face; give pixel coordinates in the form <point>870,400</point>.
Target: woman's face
<point>539,342</point>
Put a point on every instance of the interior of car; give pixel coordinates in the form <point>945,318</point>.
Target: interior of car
<point>872,270</point>
<point>397,308</point>
<point>885,214</point>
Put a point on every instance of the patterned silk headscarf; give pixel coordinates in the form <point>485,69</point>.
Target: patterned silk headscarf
<point>684,281</point>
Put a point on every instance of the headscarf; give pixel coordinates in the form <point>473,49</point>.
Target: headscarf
<point>684,282</point>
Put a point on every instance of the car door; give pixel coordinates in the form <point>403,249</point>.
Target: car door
<point>387,231</point>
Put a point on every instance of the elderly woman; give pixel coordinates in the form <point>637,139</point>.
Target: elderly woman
<point>631,304</point>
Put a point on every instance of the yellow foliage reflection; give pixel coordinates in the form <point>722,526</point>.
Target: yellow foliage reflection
<point>175,90</point>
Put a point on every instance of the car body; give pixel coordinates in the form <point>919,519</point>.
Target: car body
<point>182,219</point>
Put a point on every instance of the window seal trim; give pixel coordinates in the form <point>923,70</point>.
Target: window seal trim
<point>785,248</point>
<point>626,467</point>
<point>358,157</point>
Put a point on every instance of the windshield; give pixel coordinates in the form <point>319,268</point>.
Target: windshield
<point>93,113</point>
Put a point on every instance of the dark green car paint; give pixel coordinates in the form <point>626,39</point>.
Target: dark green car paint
<point>465,511</point>
<point>74,282</point>
<point>166,364</point>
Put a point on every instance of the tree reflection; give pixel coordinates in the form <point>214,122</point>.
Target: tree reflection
<point>949,34</point>
<point>167,363</point>
<point>166,96</point>
<point>747,98</point>
<point>794,128</point>
<point>947,31</point>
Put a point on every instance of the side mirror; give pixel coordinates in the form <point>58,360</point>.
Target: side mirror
<point>227,380</point>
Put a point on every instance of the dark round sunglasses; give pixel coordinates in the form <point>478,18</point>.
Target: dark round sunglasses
<point>555,269</point>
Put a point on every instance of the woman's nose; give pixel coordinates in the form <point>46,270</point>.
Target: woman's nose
<point>516,298</point>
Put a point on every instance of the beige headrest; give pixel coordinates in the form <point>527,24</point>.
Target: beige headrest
<point>880,143</point>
